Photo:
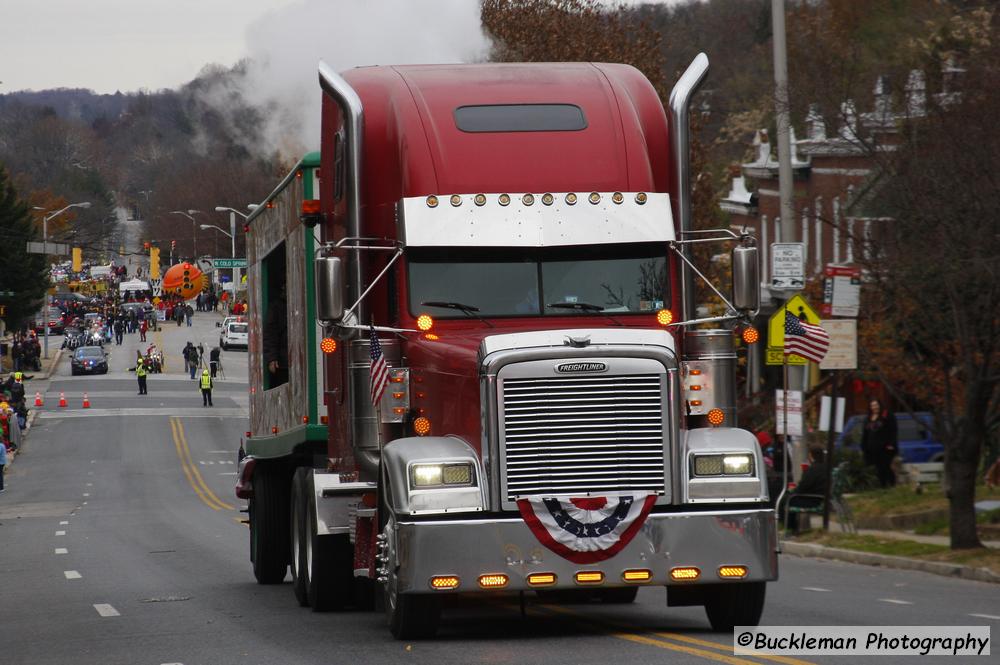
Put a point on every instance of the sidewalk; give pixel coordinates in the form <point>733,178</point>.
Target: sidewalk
<point>945,568</point>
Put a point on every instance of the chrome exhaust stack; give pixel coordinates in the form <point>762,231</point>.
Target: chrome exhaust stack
<point>680,103</point>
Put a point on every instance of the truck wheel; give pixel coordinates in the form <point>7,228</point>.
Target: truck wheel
<point>269,527</point>
<point>328,562</point>
<point>410,616</point>
<point>297,519</point>
<point>735,605</point>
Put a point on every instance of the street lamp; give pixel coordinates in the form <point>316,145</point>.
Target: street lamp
<point>232,235</point>
<point>45,252</point>
<point>194,236</point>
<point>232,240</point>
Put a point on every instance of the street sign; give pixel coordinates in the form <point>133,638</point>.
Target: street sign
<point>788,265</point>
<point>825,412</point>
<point>54,248</point>
<point>229,263</point>
<point>843,352</point>
<point>841,291</point>
<point>798,306</point>
<point>205,265</point>
<point>794,412</point>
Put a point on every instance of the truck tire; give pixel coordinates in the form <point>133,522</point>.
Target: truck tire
<point>409,616</point>
<point>328,562</point>
<point>735,605</point>
<point>298,533</point>
<point>269,527</point>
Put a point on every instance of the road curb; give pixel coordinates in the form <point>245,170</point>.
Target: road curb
<point>812,550</point>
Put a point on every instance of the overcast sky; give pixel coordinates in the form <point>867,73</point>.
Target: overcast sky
<point>109,45</point>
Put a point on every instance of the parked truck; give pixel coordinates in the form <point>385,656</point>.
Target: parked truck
<point>475,365</point>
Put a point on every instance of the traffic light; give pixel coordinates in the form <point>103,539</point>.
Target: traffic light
<point>146,246</point>
<point>77,259</point>
<point>154,263</point>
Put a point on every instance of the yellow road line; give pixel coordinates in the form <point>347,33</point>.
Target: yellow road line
<point>194,477</point>
<point>652,641</point>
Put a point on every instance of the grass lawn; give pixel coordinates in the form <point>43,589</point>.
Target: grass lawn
<point>980,558</point>
<point>896,500</point>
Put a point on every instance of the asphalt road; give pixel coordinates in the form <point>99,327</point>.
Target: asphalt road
<point>121,542</point>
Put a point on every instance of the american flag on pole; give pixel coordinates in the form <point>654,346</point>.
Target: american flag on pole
<point>379,370</point>
<point>805,339</point>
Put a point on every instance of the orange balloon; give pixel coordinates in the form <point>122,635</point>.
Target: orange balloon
<point>183,279</point>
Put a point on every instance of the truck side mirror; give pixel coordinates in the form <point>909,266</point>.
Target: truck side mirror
<point>746,279</point>
<point>329,289</point>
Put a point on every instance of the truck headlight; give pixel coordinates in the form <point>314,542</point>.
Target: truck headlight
<point>441,475</point>
<point>723,465</point>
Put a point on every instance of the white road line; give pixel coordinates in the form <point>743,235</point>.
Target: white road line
<point>84,503</point>
<point>201,462</point>
<point>86,494</point>
<point>986,616</point>
<point>62,550</point>
<point>106,610</point>
<point>90,484</point>
<point>72,574</point>
<point>894,601</point>
<point>815,588</point>
<point>64,522</point>
<point>228,473</point>
<point>90,473</point>
<point>60,533</point>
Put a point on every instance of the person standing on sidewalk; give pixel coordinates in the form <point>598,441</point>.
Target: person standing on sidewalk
<point>206,388</point>
<point>878,442</point>
<point>140,374</point>
<point>3,464</point>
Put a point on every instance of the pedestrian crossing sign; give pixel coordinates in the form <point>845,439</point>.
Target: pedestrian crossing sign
<point>776,330</point>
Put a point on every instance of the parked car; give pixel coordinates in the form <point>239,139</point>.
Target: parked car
<point>89,360</point>
<point>913,432</point>
<point>234,334</point>
<point>56,323</point>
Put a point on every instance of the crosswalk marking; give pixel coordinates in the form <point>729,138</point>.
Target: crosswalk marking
<point>815,588</point>
<point>106,610</point>
<point>60,533</point>
<point>72,574</point>
<point>62,550</point>
<point>895,601</point>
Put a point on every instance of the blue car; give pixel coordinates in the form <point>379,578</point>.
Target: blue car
<point>916,442</point>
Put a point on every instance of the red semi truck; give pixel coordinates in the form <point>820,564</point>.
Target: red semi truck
<point>512,242</point>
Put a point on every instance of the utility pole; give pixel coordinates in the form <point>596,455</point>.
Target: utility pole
<point>781,117</point>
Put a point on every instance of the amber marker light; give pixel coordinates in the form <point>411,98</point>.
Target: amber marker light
<point>617,197</point>
<point>431,337</point>
<point>480,199</point>
<point>696,402</point>
<point>305,420</point>
<point>323,420</point>
<point>571,199</point>
<point>589,577</point>
<point>750,335</point>
<point>733,572</point>
<point>715,417</point>
<point>594,198</point>
<point>274,430</point>
<point>504,199</point>
<point>456,200</point>
<point>684,573</point>
<point>425,322</point>
<point>432,201</point>
<point>528,199</point>
<point>310,207</point>
<point>422,426</point>
<point>547,199</point>
<point>328,345</point>
<point>637,576</point>
<point>444,582</point>
<point>664,317</point>
<point>495,581</point>
<point>542,579</point>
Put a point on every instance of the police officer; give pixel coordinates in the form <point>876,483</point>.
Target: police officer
<point>140,374</point>
<point>206,388</point>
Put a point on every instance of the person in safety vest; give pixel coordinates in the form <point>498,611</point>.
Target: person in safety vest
<point>140,374</point>
<point>206,388</point>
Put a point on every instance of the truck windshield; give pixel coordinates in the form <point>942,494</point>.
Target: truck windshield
<point>536,282</point>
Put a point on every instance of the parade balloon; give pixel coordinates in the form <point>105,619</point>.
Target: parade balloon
<point>183,279</point>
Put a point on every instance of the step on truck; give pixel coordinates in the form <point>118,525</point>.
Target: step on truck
<point>474,359</point>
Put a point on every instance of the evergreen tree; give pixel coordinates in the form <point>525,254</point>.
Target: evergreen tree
<point>24,274</point>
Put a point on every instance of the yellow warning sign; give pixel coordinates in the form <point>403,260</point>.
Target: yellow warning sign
<point>798,306</point>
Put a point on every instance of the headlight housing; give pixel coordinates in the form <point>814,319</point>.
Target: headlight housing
<point>724,464</point>
<point>451,474</point>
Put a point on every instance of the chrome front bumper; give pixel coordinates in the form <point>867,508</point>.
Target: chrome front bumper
<point>470,548</point>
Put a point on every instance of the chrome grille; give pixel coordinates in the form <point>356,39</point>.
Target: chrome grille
<point>580,435</point>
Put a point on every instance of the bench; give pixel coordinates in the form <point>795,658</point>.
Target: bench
<point>812,504</point>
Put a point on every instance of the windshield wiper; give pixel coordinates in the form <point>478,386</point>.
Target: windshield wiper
<point>584,307</point>
<point>468,310</point>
